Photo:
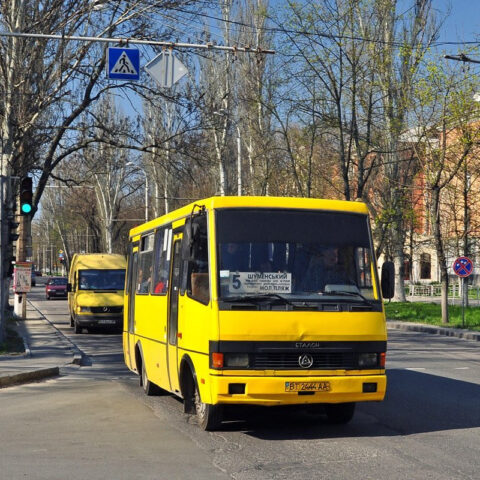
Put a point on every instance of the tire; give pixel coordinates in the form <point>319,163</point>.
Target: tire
<point>77,327</point>
<point>339,413</point>
<point>149,387</point>
<point>209,417</point>
<point>72,323</point>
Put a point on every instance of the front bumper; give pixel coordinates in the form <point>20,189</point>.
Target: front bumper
<point>86,321</point>
<point>271,390</point>
<point>57,293</point>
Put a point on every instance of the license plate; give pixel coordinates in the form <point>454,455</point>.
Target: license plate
<point>307,386</point>
<point>109,322</point>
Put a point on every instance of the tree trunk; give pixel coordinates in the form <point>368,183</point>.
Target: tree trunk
<point>437,234</point>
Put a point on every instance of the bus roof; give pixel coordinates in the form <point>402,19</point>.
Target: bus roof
<point>257,202</point>
<point>99,261</point>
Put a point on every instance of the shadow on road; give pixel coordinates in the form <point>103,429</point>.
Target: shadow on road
<point>415,403</point>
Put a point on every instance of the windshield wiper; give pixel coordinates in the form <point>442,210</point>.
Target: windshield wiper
<point>343,293</point>
<point>258,298</point>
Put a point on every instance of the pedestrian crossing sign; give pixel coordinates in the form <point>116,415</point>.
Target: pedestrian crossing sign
<point>123,63</point>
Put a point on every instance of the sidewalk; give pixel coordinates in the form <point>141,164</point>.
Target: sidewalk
<point>432,329</point>
<point>47,351</point>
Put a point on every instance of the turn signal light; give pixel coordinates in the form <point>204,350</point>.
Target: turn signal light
<point>217,360</point>
<point>383,359</point>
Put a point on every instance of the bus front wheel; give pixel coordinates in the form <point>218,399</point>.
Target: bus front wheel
<point>209,416</point>
<point>339,413</point>
<point>77,327</point>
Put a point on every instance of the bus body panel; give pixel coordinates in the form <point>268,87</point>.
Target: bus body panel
<point>302,326</point>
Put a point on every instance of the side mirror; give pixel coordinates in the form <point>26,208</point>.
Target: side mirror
<point>388,280</point>
<point>69,287</point>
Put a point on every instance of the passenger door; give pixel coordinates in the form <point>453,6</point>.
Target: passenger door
<point>172,343</point>
<point>130,334</point>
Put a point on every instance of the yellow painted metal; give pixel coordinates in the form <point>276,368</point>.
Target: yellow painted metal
<point>198,324</point>
<point>270,390</point>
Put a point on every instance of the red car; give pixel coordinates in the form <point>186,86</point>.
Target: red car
<point>56,287</point>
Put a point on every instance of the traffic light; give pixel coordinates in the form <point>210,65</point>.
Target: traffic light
<point>26,196</point>
<point>12,231</point>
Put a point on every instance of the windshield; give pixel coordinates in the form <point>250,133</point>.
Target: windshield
<point>297,254</point>
<point>101,279</point>
<point>57,281</point>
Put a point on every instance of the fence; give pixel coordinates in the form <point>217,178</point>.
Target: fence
<point>434,292</point>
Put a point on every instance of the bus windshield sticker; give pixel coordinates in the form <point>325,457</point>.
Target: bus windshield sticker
<point>165,240</point>
<point>257,282</point>
<point>169,251</point>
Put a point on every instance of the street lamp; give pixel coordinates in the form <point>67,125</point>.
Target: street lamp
<point>131,164</point>
<point>223,113</point>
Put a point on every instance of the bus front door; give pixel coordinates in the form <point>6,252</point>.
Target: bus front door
<point>172,354</point>
<point>132,273</point>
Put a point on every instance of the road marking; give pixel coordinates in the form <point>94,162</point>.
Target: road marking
<point>415,368</point>
<point>462,368</point>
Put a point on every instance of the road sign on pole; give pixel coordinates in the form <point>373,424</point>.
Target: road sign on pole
<point>22,277</point>
<point>123,63</point>
<point>166,69</point>
<point>463,267</point>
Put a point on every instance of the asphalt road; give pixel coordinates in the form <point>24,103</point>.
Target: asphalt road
<point>95,422</point>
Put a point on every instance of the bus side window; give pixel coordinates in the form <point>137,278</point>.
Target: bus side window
<point>196,280</point>
<point>144,273</point>
<point>162,261</point>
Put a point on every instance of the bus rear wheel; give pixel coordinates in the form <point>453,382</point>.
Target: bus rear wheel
<point>339,413</point>
<point>209,417</point>
<point>148,387</point>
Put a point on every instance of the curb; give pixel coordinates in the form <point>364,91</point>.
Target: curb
<point>25,377</point>
<point>434,330</point>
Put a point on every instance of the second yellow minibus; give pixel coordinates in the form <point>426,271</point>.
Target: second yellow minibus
<point>257,300</point>
<point>95,291</point>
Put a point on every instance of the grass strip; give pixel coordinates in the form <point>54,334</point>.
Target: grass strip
<point>431,314</point>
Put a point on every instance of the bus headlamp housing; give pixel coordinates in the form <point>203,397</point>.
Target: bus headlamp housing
<point>83,309</point>
<point>236,360</point>
<point>368,360</point>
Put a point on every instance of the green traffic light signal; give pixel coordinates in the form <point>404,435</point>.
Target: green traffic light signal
<point>26,208</point>
<point>26,196</point>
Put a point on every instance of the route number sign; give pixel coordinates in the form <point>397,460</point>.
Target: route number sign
<point>463,267</point>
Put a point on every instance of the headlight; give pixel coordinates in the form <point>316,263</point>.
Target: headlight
<point>236,360</point>
<point>368,360</point>
<point>83,309</point>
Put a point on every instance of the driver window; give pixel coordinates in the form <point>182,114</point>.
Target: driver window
<point>198,284</point>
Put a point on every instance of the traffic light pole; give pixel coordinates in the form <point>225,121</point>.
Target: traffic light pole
<point>20,299</point>
<point>2,260</point>
<point>24,244</point>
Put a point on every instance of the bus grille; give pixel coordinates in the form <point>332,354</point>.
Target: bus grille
<point>106,309</point>
<point>290,361</point>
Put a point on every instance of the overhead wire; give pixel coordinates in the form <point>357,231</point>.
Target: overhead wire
<point>282,30</point>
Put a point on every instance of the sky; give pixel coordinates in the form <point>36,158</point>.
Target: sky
<point>463,23</point>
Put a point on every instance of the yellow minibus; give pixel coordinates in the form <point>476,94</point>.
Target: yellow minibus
<point>257,300</point>
<point>95,287</point>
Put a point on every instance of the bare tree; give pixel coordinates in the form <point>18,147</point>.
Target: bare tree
<point>451,133</point>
